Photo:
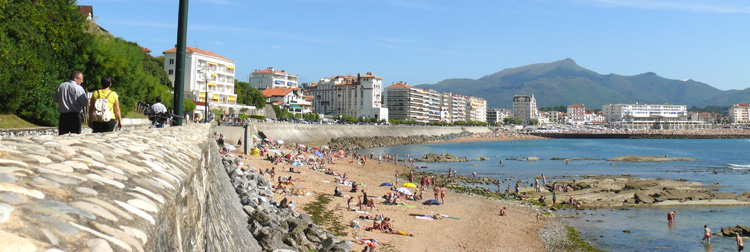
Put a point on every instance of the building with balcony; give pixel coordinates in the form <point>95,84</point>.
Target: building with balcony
<point>290,99</point>
<point>636,112</point>
<point>476,109</point>
<point>206,74</point>
<point>405,102</point>
<point>356,96</point>
<point>524,107</point>
<point>739,113</point>
<point>271,78</point>
<point>576,114</point>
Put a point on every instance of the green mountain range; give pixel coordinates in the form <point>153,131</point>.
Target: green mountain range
<point>564,83</point>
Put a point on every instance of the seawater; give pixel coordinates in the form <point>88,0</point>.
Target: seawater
<point>722,161</point>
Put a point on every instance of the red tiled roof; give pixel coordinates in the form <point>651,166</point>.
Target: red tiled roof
<point>370,76</point>
<point>85,10</point>
<point>269,71</point>
<point>270,92</point>
<point>576,106</point>
<point>741,105</point>
<point>145,49</point>
<point>199,51</point>
<point>399,85</point>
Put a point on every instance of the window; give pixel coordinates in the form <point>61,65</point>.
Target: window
<point>171,71</point>
<point>171,61</point>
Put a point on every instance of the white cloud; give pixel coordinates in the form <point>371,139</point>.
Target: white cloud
<point>720,7</point>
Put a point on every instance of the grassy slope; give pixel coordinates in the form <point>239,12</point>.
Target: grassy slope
<point>12,121</point>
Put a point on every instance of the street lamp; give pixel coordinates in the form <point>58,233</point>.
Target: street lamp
<point>207,74</point>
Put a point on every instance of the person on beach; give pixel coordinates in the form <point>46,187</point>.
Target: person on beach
<point>740,243</point>
<point>502,212</point>
<point>442,194</point>
<point>364,200</point>
<point>436,191</point>
<point>670,217</point>
<point>349,203</point>
<point>706,234</point>
<point>397,175</point>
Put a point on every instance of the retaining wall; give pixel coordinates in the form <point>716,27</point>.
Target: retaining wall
<point>138,190</point>
<point>318,134</point>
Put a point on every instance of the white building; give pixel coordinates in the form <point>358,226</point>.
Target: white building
<point>524,107</point>
<point>271,78</point>
<point>497,115</point>
<point>291,99</point>
<point>594,117</point>
<point>636,112</point>
<point>739,113</point>
<point>452,107</point>
<point>220,82</point>
<point>554,117</point>
<point>357,96</point>
<point>476,109</point>
<point>576,114</point>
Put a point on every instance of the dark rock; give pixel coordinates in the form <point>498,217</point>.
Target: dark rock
<point>626,231</point>
<point>642,197</point>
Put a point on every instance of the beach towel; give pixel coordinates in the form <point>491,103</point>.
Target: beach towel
<point>364,212</point>
<point>407,206</point>
<point>448,217</point>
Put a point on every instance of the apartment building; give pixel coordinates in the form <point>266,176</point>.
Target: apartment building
<point>206,74</point>
<point>357,96</point>
<point>636,112</point>
<point>476,109</point>
<point>524,107</point>
<point>576,114</point>
<point>594,117</point>
<point>497,115</point>
<point>405,102</point>
<point>271,78</point>
<point>739,113</point>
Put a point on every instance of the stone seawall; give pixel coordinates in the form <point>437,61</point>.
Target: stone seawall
<point>355,143</point>
<point>319,134</point>
<point>138,190</point>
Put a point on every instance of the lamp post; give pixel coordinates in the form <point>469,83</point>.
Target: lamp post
<point>207,74</point>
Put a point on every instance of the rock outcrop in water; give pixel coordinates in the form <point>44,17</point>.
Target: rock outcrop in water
<point>277,228</point>
<point>356,143</point>
<point>730,231</point>
<point>445,157</point>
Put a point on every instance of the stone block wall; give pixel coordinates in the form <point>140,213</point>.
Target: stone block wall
<point>135,190</point>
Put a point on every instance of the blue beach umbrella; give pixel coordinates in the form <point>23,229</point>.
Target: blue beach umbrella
<point>386,184</point>
<point>318,154</point>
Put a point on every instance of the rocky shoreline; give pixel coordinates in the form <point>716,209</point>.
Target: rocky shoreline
<point>277,228</point>
<point>631,158</point>
<point>355,143</point>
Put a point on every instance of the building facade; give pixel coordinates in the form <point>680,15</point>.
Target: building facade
<point>739,113</point>
<point>497,115</point>
<point>206,73</point>
<point>357,96</point>
<point>271,78</point>
<point>576,114</point>
<point>405,102</point>
<point>291,99</point>
<point>524,107</point>
<point>636,112</point>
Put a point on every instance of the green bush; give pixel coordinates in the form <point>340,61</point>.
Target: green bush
<point>259,117</point>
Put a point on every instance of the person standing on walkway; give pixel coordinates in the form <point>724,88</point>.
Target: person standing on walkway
<point>113,104</point>
<point>71,99</point>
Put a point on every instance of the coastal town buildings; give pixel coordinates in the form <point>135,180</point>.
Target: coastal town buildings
<point>206,73</point>
<point>576,114</point>
<point>291,99</point>
<point>739,113</point>
<point>497,115</point>
<point>594,117</point>
<point>405,102</point>
<point>272,78</point>
<point>357,96</point>
<point>553,117</point>
<point>524,107</point>
<point>650,116</point>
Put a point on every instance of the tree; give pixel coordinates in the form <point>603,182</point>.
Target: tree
<point>248,95</point>
<point>533,121</point>
<point>41,43</point>
<point>561,108</point>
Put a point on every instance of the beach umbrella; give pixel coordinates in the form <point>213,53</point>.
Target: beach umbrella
<point>280,141</point>
<point>409,185</point>
<point>386,184</point>
<point>274,151</point>
<point>318,154</point>
<point>255,137</point>
<point>431,202</point>
<point>302,146</point>
<point>298,163</point>
<point>268,139</point>
<point>316,148</point>
<point>325,147</point>
<point>404,191</point>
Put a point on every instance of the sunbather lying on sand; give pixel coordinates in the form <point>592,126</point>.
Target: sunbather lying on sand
<point>391,231</point>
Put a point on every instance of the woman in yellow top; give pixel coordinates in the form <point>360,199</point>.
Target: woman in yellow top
<point>113,104</point>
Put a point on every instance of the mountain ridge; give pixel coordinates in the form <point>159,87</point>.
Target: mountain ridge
<point>564,82</point>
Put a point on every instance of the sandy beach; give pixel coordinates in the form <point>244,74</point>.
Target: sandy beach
<point>479,226</point>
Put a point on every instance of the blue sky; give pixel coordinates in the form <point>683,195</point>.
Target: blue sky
<point>426,41</point>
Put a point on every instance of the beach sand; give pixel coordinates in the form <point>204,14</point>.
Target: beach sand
<point>480,227</point>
